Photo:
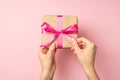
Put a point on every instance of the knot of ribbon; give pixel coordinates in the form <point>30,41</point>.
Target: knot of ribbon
<point>58,34</point>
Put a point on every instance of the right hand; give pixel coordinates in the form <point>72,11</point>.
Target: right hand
<point>85,51</point>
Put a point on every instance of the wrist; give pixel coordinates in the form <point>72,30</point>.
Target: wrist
<point>91,73</point>
<point>88,66</point>
<point>45,75</point>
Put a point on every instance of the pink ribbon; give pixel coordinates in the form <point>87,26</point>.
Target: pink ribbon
<point>58,34</point>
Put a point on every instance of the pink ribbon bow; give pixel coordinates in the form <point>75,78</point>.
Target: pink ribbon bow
<point>58,34</point>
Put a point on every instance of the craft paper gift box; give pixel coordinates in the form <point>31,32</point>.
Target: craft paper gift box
<point>59,29</point>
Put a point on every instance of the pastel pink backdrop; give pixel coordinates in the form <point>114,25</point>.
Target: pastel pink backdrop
<point>99,20</point>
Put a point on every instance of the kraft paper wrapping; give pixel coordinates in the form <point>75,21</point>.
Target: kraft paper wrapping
<point>66,21</point>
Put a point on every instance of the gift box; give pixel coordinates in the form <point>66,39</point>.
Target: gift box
<point>59,29</point>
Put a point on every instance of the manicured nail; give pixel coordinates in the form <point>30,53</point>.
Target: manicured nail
<point>42,46</point>
<point>73,39</point>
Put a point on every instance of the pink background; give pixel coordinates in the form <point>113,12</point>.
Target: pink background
<point>99,20</point>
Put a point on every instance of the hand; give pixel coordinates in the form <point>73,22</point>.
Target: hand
<point>47,59</point>
<point>85,51</point>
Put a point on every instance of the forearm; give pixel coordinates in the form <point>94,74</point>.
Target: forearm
<point>91,73</point>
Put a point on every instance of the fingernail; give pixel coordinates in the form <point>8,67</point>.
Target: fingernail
<point>53,45</point>
<point>72,39</point>
<point>42,46</point>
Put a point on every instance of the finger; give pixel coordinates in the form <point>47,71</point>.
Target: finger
<point>82,45</point>
<point>74,52</point>
<point>84,40</point>
<point>81,42</point>
<point>72,49</point>
<point>75,45</point>
<point>52,49</point>
<point>42,50</point>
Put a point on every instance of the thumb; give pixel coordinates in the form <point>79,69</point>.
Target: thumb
<point>52,49</point>
<point>75,46</point>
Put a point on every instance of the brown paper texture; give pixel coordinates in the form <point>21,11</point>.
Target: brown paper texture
<point>67,21</point>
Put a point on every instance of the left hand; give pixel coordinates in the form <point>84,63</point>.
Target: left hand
<point>47,59</point>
